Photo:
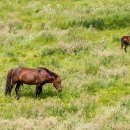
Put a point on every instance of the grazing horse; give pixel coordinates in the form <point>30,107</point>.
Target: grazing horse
<point>38,77</point>
<point>125,41</point>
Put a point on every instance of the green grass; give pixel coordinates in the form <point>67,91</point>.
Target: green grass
<point>79,40</point>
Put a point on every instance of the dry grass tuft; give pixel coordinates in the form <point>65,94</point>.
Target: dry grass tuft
<point>29,124</point>
<point>74,47</point>
<point>114,72</point>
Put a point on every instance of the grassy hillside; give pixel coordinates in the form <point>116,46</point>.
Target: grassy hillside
<point>79,40</point>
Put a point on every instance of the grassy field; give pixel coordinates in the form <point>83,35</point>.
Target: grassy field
<point>79,40</point>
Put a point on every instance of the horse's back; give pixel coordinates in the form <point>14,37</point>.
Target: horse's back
<point>30,76</point>
<point>20,70</point>
<point>25,75</point>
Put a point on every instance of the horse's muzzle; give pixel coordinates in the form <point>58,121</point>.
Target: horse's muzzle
<point>59,90</point>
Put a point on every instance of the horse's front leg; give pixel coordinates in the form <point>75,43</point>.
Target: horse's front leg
<point>37,90</point>
<point>17,90</point>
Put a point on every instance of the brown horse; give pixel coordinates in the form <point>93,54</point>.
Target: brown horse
<point>38,77</point>
<point>125,41</point>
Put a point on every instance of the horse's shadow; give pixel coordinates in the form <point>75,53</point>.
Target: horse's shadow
<point>44,95</point>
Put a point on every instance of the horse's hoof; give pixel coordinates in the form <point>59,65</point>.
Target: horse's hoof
<point>17,98</point>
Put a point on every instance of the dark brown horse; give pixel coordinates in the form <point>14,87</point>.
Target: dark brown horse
<point>125,41</point>
<point>38,77</point>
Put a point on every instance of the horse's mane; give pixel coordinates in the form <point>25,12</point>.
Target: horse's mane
<point>48,71</point>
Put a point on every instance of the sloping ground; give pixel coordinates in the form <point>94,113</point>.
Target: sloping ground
<point>80,40</point>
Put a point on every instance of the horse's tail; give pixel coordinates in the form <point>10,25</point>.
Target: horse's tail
<point>8,81</point>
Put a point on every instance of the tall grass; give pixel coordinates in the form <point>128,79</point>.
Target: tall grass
<point>79,40</point>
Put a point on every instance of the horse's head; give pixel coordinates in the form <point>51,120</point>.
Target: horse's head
<point>57,83</point>
<point>53,78</point>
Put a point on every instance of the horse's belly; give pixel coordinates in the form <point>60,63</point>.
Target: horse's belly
<point>28,79</point>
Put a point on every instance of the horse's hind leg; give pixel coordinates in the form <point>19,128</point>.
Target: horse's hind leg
<point>125,48</point>
<point>17,90</point>
<point>122,45</point>
<point>10,88</point>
